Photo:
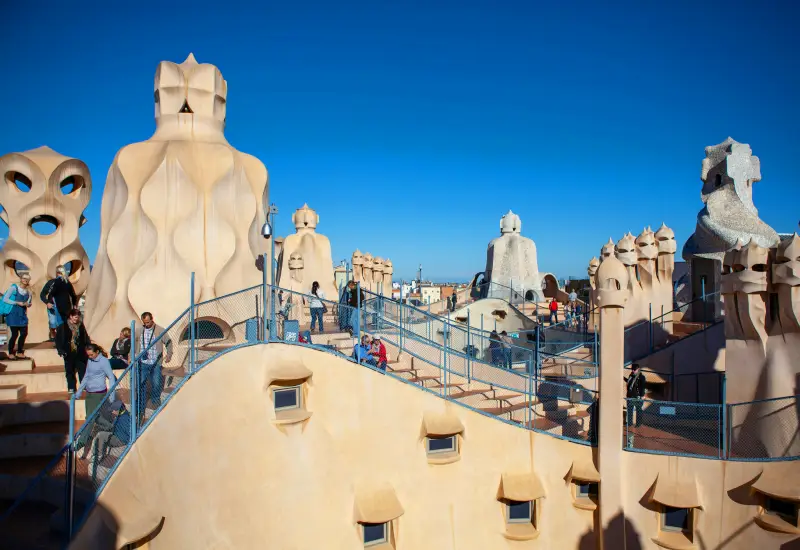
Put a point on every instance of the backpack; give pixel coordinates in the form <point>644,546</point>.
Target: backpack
<point>5,308</point>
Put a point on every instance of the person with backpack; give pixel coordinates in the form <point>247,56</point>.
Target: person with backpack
<point>53,317</point>
<point>16,301</point>
<point>317,306</point>
<point>62,294</point>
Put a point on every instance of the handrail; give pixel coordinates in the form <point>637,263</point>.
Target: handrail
<point>532,383</point>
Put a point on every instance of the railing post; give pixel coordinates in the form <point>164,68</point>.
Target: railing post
<point>70,493</point>
<point>703,290</point>
<point>264,314</point>
<point>595,359</point>
<point>400,309</point>
<point>511,293</point>
<point>134,382</point>
<point>536,372</point>
<point>469,348</point>
<point>650,325</point>
<point>357,328</point>
<point>445,332</point>
<point>192,335</point>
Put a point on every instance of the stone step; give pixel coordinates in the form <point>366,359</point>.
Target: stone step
<point>12,392</point>
<point>40,407</point>
<point>31,444</point>
<point>37,380</point>
<point>15,365</point>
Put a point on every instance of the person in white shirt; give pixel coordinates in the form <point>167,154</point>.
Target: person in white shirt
<point>317,306</point>
<point>153,347</point>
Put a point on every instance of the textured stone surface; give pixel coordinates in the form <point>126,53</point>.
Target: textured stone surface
<point>728,173</point>
<point>51,188</point>
<point>511,260</point>
<point>183,201</point>
<point>315,253</point>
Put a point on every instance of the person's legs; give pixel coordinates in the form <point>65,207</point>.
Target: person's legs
<point>80,366</point>
<point>156,383</point>
<point>313,317</point>
<point>92,402</point>
<point>23,334</point>
<point>639,407</point>
<point>69,372</point>
<point>321,313</point>
<point>12,341</point>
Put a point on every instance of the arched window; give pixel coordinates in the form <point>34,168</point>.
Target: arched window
<point>203,330</point>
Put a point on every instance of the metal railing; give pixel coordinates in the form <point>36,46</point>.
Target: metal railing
<point>506,382</point>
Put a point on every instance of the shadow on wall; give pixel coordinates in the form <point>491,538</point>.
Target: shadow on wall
<point>102,531</point>
<point>620,533</point>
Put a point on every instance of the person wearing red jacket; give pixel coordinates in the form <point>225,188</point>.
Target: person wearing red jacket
<point>553,311</point>
<point>378,353</point>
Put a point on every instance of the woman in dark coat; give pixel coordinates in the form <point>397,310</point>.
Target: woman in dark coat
<point>71,343</point>
<point>62,293</point>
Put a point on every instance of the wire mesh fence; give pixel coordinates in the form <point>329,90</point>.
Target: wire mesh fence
<point>507,378</point>
<point>671,427</point>
<point>764,430</point>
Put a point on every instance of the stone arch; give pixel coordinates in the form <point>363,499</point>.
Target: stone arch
<point>549,286</point>
<point>207,328</point>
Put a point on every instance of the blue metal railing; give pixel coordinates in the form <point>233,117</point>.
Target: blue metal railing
<point>260,314</point>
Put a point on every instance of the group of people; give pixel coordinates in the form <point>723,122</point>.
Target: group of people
<point>371,351</point>
<point>500,350</point>
<point>574,316</point>
<point>88,367</point>
<point>452,300</point>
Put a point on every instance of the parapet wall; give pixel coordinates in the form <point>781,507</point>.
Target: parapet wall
<point>218,454</point>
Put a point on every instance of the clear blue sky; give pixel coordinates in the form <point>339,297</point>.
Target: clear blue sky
<point>413,126</point>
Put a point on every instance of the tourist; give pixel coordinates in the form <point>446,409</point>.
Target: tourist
<point>343,311</point>
<point>573,297</point>
<point>505,345</point>
<point>553,311</point>
<point>579,315</point>
<point>635,394</point>
<point>154,347</point>
<point>357,298</point>
<point>378,352</point>
<point>71,343</point>
<point>62,294</point>
<point>53,317</point>
<point>18,299</point>
<point>121,350</point>
<point>98,371</point>
<point>361,352</point>
<point>112,429</point>
<point>567,314</point>
<point>317,305</point>
<point>495,351</point>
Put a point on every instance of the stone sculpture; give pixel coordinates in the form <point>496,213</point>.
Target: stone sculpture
<point>315,250</point>
<point>371,273</point>
<point>388,271</point>
<point>43,187</point>
<point>728,216</point>
<point>761,295</point>
<point>649,262</point>
<point>511,262</point>
<point>183,201</point>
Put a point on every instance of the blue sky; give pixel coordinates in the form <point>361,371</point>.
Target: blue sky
<point>411,127</point>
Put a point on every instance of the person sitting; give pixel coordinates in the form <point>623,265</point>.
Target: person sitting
<point>121,350</point>
<point>378,353</point>
<point>361,351</point>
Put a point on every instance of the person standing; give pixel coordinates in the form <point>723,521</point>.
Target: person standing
<point>505,345</point>
<point>53,318</point>
<point>316,305</point>
<point>62,294</point>
<point>153,347</point>
<point>635,394</point>
<point>553,311</point>
<point>18,297</point>
<point>98,370</point>
<point>71,342</point>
